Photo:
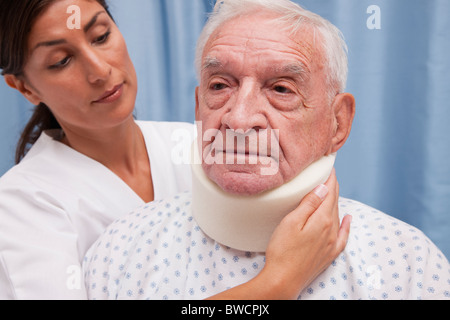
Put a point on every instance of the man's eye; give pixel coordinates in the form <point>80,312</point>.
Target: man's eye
<point>218,86</point>
<point>282,89</point>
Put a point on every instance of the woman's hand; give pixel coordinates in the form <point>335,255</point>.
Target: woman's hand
<point>307,240</point>
<point>302,247</point>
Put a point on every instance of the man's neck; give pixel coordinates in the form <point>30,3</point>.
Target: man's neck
<point>247,223</point>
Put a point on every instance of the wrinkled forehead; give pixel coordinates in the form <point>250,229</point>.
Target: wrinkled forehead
<point>262,35</point>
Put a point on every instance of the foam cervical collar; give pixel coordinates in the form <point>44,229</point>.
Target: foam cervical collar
<point>247,223</point>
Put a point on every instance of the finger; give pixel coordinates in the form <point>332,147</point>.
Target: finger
<point>332,201</point>
<point>333,185</point>
<point>315,199</point>
<point>336,185</point>
<point>332,178</point>
<point>344,233</point>
<point>310,204</point>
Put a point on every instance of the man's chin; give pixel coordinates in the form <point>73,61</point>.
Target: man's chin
<point>246,184</point>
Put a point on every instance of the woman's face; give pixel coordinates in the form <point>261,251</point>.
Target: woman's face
<point>84,75</point>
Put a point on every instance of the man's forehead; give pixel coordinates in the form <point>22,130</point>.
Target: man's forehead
<point>260,42</point>
<point>262,37</point>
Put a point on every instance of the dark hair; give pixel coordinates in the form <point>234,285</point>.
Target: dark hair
<point>17,17</point>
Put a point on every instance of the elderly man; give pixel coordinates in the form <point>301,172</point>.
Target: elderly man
<point>273,73</point>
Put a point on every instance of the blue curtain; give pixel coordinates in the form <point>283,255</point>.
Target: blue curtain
<point>397,158</point>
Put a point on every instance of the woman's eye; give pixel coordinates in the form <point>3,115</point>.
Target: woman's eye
<point>103,38</point>
<point>61,64</point>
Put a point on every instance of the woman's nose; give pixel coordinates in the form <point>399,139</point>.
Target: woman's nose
<point>98,70</point>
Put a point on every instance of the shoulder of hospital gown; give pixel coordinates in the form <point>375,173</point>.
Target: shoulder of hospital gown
<point>385,258</point>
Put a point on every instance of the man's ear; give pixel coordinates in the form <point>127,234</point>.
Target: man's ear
<point>344,111</point>
<point>26,90</point>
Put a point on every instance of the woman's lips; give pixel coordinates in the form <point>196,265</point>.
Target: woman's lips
<point>112,95</point>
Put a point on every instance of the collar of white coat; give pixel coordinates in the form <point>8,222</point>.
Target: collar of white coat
<point>247,223</point>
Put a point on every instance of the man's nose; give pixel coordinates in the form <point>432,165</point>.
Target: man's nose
<point>246,109</point>
<point>98,70</point>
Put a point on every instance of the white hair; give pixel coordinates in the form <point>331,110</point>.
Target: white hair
<point>292,16</point>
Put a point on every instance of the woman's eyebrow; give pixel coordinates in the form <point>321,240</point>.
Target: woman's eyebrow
<point>50,43</point>
<point>92,22</point>
<point>86,28</point>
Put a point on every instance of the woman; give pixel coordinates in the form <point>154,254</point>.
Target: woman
<point>89,161</point>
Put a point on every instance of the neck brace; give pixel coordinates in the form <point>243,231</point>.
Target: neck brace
<point>247,223</point>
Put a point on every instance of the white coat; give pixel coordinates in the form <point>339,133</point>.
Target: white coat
<point>57,202</point>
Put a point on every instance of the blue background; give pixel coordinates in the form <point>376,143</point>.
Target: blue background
<point>397,157</point>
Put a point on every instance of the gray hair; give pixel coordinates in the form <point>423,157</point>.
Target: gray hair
<point>292,16</point>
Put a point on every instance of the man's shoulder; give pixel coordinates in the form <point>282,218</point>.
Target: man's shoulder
<point>369,217</point>
<point>385,258</point>
<point>376,235</point>
<point>371,223</point>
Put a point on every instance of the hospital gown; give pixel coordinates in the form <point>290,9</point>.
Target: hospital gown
<point>159,252</point>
